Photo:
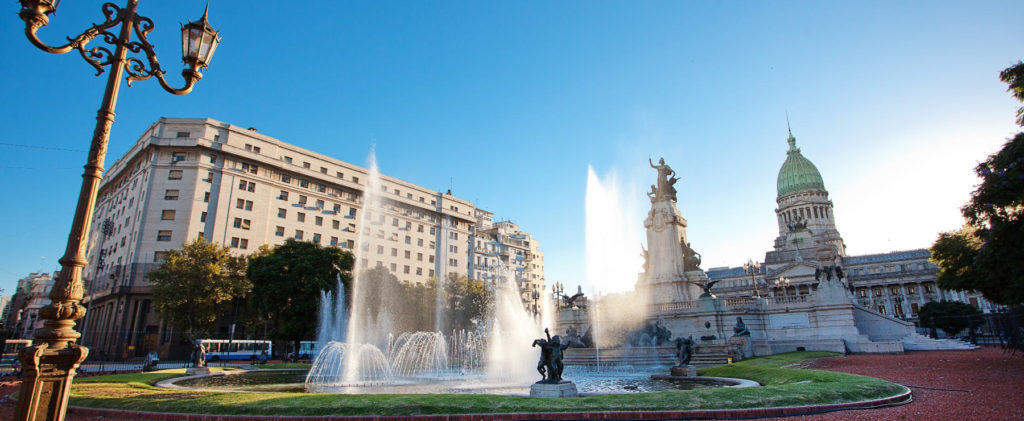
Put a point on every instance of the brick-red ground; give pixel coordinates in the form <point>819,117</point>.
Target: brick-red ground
<point>984,384</point>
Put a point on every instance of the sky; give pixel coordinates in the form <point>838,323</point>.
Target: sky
<point>510,103</point>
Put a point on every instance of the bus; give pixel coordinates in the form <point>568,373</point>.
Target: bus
<point>11,349</point>
<point>308,350</point>
<point>238,349</point>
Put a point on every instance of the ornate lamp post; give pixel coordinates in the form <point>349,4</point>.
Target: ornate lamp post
<point>50,364</point>
<point>783,283</point>
<point>556,292</point>
<point>751,268</point>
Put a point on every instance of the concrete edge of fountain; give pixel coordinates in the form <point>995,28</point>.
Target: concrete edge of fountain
<point>172,382</point>
<point>902,398</point>
<point>734,382</point>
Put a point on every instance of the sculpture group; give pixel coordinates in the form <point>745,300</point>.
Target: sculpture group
<point>550,365</point>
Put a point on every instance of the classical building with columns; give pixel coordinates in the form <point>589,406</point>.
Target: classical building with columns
<point>894,283</point>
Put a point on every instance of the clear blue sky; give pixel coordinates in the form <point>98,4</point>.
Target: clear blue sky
<point>893,101</point>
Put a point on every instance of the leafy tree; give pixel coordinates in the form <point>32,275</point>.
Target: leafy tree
<point>996,215</point>
<point>287,281</point>
<point>191,285</point>
<point>950,316</point>
<point>467,301</point>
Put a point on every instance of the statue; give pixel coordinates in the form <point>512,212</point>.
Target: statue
<point>644,254</point>
<point>652,334</point>
<point>706,286</point>
<point>550,365</point>
<point>573,338</point>
<point>198,356</point>
<point>571,301</point>
<point>741,328</point>
<point>691,259</point>
<point>839,272</point>
<point>684,350</point>
<point>666,181</point>
<point>799,224</point>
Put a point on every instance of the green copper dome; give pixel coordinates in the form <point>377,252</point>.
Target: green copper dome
<point>798,173</point>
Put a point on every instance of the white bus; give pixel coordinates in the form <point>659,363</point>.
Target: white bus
<point>238,349</point>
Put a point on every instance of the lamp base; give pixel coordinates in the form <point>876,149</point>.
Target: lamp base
<point>46,381</point>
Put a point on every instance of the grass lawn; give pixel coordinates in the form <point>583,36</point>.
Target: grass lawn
<point>283,365</point>
<point>784,386</point>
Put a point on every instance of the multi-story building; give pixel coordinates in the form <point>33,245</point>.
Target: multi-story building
<point>895,283</point>
<point>188,178</point>
<point>503,245</point>
<point>32,294</point>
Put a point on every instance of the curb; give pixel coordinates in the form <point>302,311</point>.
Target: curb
<point>900,399</point>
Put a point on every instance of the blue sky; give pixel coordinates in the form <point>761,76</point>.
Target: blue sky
<point>512,101</point>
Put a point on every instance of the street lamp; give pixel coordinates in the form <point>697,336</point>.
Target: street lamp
<point>783,283</point>
<point>751,268</point>
<point>49,366</point>
<point>556,292</point>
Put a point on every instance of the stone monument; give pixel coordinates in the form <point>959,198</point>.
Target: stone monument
<point>550,367</point>
<point>671,265</point>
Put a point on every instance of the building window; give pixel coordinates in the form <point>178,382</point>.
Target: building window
<point>183,135</point>
<point>394,268</point>
<point>298,234</point>
<point>302,199</point>
<point>319,204</point>
<point>319,221</point>
<point>419,257</point>
<point>316,238</point>
<point>928,288</point>
<point>254,169</point>
<point>281,213</point>
<point>206,197</point>
<point>419,271</point>
<point>234,241</point>
<point>430,258</point>
<point>355,180</point>
<point>405,269</point>
<point>350,244</point>
<point>177,156</point>
<point>305,165</point>
<point>283,195</point>
<point>171,195</point>
<point>163,235</point>
<point>288,159</point>
<point>380,249</point>
<point>159,256</point>
<point>285,178</point>
<point>301,217</point>
<point>335,224</point>
<point>334,241</point>
<point>394,252</point>
<point>202,217</point>
<point>247,185</point>
<point>175,174</point>
<point>408,240</point>
<point>303,183</point>
<point>407,254</point>
<point>352,212</point>
<point>242,223</point>
<point>911,289</point>
<point>167,215</point>
<point>323,170</point>
<point>340,175</point>
<point>279,231</point>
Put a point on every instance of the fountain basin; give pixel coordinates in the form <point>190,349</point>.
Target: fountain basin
<point>587,382</point>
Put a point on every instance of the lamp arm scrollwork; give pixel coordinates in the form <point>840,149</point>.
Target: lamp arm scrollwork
<point>137,69</point>
<point>97,56</point>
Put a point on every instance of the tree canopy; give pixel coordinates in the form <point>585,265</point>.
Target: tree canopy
<point>287,281</point>
<point>192,283</point>
<point>989,255</point>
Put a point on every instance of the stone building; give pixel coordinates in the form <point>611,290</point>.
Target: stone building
<point>188,178</point>
<point>32,294</point>
<point>895,284</point>
<point>503,245</point>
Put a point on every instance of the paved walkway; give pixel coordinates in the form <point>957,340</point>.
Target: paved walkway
<point>959,385</point>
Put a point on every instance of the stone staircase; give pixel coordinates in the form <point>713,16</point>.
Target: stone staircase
<point>918,342</point>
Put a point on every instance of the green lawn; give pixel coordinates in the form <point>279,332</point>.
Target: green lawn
<point>783,387</point>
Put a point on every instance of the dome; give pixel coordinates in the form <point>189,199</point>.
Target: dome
<point>798,173</point>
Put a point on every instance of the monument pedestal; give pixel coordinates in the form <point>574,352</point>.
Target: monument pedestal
<point>197,371</point>
<point>683,371</point>
<point>563,389</point>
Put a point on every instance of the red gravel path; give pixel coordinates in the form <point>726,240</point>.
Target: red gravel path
<point>984,384</point>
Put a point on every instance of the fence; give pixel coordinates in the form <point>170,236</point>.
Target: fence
<point>1004,327</point>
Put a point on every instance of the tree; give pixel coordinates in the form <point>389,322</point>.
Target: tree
<point>192,284</point>
<point>286,284</point>
<point>467,301</point>
<point>950,316</point>
<point>996,215</point>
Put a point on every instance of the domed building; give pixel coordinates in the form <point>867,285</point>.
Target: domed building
<point>895,284</point>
